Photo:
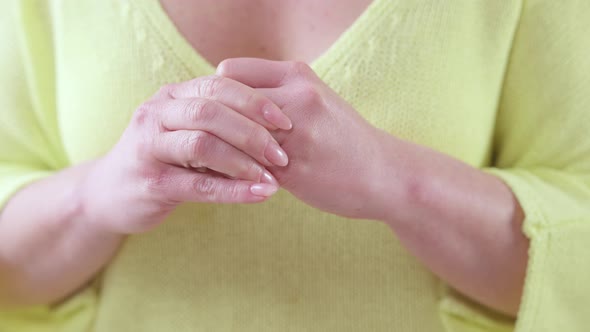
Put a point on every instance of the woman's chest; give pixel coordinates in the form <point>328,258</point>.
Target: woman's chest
<point>428,72</point>
<point>279,30</point>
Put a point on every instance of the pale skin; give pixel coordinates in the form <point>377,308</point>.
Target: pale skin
<point>257,125</point>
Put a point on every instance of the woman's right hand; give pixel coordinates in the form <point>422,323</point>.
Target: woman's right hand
<point>210,123</point>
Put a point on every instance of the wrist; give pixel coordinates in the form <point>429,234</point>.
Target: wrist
<point>400,184</point>
<point>88,213</point>
<point>384,180</point>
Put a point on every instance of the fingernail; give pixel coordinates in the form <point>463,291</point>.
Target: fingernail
<point>275,116</point>
<point>263,189</point>
<point>276,155</point>
<point>268,178</point>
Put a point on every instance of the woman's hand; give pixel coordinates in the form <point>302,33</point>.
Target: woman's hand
<point>83,212</point>
<point>205,140</point>
<point>462,223</point>
<point>332,149</point>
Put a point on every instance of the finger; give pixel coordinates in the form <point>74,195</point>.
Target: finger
<point>194,149</point>
<point>221,121</point>
<point>235,95</point>
<point>261,73</point>
<point>286,102</point>
<point>278,96</point>
<point>188,186</point>
<point>163,92</point>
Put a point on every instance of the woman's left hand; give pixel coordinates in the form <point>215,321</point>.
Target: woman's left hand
<point>462,223</point>
<point>332,149</point>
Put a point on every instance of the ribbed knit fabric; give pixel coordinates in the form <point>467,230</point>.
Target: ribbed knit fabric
<point>501,85</point>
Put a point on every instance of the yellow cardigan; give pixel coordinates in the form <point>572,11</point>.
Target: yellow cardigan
<point>501,85</point>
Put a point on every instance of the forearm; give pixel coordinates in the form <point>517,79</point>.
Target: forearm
<point>48,249</point>
<point>462,223</point>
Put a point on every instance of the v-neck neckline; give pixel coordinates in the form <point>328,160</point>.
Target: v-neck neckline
<point>197,63</point>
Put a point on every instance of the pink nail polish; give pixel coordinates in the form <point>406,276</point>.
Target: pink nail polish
<point>268,178</point>
<point>276,155</point>
<point>263,189</point>
<point>275,116</point>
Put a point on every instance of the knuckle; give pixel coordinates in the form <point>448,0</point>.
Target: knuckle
<point>155,180</point>
<point>301,69</point>
<point>199,144</point>
<point>311,136</point>
<point>165,90</point>
<point>308,94</point>
<point>233,192</point>
<point>142,114</point>
<point>209,86</point>
<point>200,110</point>
<point>258,102</point>
<point>206,187</point>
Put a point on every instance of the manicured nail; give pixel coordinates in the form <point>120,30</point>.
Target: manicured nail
<point>268,178</point>
<point>263,189</point>
<point>275,116</point>
<point>276,155</point>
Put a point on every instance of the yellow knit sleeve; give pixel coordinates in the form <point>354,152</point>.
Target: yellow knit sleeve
<point>543,154</point>
<point>30,146</point>
<point>29,143</point>
<point>542,151</point>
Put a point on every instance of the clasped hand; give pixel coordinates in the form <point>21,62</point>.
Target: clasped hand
<point>235,137</point>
